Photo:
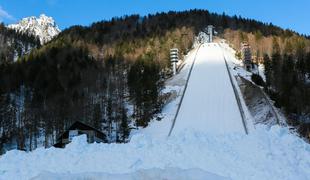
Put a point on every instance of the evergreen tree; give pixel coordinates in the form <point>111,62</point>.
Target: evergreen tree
<point>97,116</point>
<point>276,62</point>
<point>288,80</point>
<point>124,130</point>
<point>307,59</point>
<point>143,82</point>
<point>268,71</point>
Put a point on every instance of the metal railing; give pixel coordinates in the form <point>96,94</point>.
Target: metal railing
<point>242,114</point>
<point>183,93</point>
<point>236,96</point>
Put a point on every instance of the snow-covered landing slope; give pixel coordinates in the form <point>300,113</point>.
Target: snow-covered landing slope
<point>209,103</point>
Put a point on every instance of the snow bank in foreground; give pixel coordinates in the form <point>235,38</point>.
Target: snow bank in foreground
<point>150,174</point>
<point>263,154</point>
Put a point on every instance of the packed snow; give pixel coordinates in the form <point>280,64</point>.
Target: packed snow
<point>209,103</point>
<point>155,174</point>
<point>44,27</point>
<point>263,154</point>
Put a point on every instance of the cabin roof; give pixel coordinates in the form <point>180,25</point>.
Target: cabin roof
<point>78,125</point>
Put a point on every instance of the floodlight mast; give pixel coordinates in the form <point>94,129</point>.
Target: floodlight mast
<point>174,58</point>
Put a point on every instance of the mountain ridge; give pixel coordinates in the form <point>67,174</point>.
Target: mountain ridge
<point>43,27</point>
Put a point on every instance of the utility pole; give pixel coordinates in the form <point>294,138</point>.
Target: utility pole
<point>174,58</point>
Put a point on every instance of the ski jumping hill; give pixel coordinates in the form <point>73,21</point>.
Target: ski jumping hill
<point>210,104</point>
<point>208,140</point>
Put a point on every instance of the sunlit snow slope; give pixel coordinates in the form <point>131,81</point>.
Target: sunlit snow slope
<point>209,103</point>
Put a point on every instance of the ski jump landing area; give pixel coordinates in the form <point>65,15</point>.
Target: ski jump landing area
<point>209,104</point>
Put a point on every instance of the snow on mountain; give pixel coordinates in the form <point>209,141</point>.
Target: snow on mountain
<point>44,27</point>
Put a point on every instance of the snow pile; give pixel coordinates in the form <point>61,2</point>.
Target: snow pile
<point>44,27</point>
<point>149,174</point>
<point>263,154</point>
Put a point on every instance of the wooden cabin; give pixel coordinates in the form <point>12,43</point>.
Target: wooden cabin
<point>79,128</point>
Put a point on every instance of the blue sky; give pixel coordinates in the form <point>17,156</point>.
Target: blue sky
<point>285,13</point>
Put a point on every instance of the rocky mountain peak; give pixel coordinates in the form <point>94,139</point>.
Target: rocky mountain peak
<point>43,26</point>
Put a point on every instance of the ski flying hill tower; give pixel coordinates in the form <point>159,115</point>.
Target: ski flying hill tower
<point>209,30</point>
<point>246,55</point>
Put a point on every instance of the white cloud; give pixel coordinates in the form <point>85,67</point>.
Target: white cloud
<point>5,15</point>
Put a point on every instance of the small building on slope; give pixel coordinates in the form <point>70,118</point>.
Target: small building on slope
<point>79,128</point>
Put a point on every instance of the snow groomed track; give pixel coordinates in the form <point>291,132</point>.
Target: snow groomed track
<point>209,103</point>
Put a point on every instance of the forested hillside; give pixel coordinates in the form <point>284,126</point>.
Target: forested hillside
<point>110,74</point>
<point>288,83</point>
<point>286,58</point>
<point>14,44</point>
